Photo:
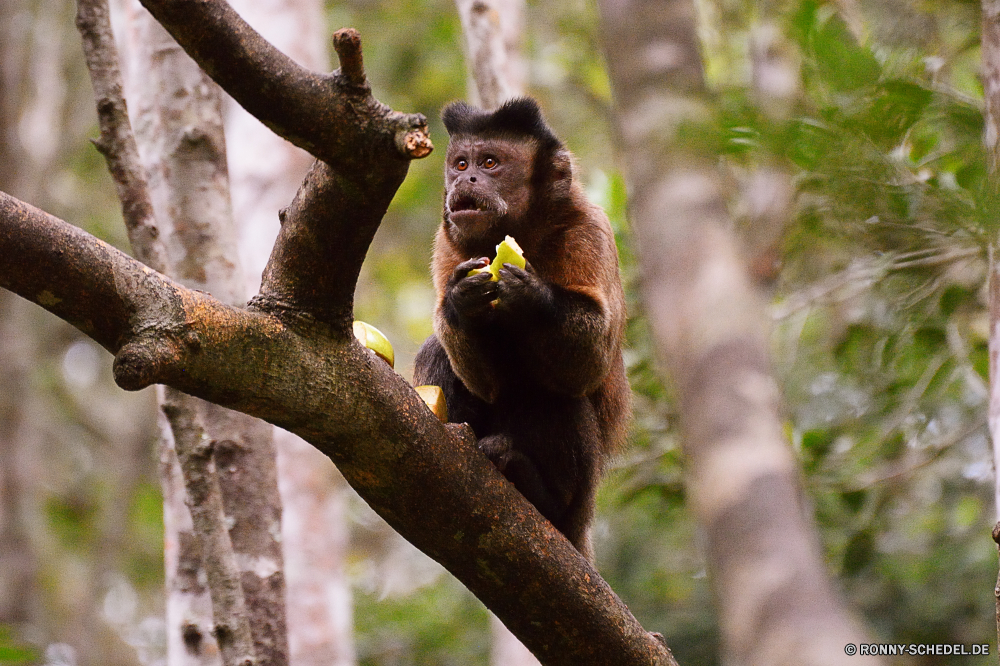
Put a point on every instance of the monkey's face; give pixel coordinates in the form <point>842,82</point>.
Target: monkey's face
<point>487,187</point>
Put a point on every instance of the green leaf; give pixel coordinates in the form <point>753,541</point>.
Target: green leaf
<point>13,651</point>
<point>891,109</point>
<point>839,60</point>
<point>856,350</point>
<point>953,297</point>
<point>980,359</point>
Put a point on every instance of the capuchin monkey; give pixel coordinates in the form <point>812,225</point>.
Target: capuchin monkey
<point>531,362</point>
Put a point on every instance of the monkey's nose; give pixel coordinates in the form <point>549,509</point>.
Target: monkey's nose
<point>472,179</point>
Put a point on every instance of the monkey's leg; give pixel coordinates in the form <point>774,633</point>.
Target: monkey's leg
<point>557,466</point>
<point>520,470</point>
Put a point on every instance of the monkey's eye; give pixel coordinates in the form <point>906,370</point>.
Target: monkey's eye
<point>461,165</point>
<point>489,163</point>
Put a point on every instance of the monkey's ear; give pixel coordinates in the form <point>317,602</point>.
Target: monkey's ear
<point>562,164</point>
<point>561,173</point>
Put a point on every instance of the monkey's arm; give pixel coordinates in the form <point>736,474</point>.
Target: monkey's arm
<point>567,338</point>
<point>570,332</point>
<point>432,366</point>
<point>463,323</point>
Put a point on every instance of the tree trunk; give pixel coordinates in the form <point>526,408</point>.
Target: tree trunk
<point>17,559</point>
<point>178,113</point>
<point>493,33</point>
<point>18,584</point>
<point>991,93</point>
<point>775,601</point>
<point>70,614</point>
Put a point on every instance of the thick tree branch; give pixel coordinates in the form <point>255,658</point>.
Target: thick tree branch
<point>317,257</point>
<point>313,270</point>
<point>70,273</point>
<point>431,485</point>
<point>365,148</point>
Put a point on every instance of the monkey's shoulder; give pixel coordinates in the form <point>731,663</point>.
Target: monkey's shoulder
<point>582,252</point>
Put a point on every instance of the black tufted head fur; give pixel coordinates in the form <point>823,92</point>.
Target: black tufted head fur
<point>518,118</point>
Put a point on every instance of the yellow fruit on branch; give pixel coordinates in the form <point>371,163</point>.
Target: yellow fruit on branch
<point>434,397</point>
<point>375,340</point>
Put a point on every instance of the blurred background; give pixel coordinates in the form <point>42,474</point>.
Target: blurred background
<point>861,120</point>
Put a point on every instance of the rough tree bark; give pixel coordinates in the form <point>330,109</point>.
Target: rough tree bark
<point>291,357</point>
<point>775,601</point>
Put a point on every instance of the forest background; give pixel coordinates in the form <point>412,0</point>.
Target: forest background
<point>877,276</point>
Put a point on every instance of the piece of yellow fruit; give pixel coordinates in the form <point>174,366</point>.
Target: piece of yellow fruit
<point>375,340</point>
<point>434,397</point>
<point>508,252</point>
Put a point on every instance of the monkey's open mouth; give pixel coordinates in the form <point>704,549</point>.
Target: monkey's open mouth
<point>466,203</point>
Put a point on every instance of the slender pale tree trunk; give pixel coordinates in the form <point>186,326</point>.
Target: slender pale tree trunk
<point>775,601</point>
<point>226,474</point>
<point>18,585</point>
<point>37,107</point>
<point>17,351</point>
<point>991,90</point>
<point>493,35</point>
<point>190,639</point>
<point>40,125</point>
<point>767,193</point>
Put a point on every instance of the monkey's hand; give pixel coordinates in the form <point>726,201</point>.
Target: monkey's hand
<point>470,297</point>
<point>521,291</point>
